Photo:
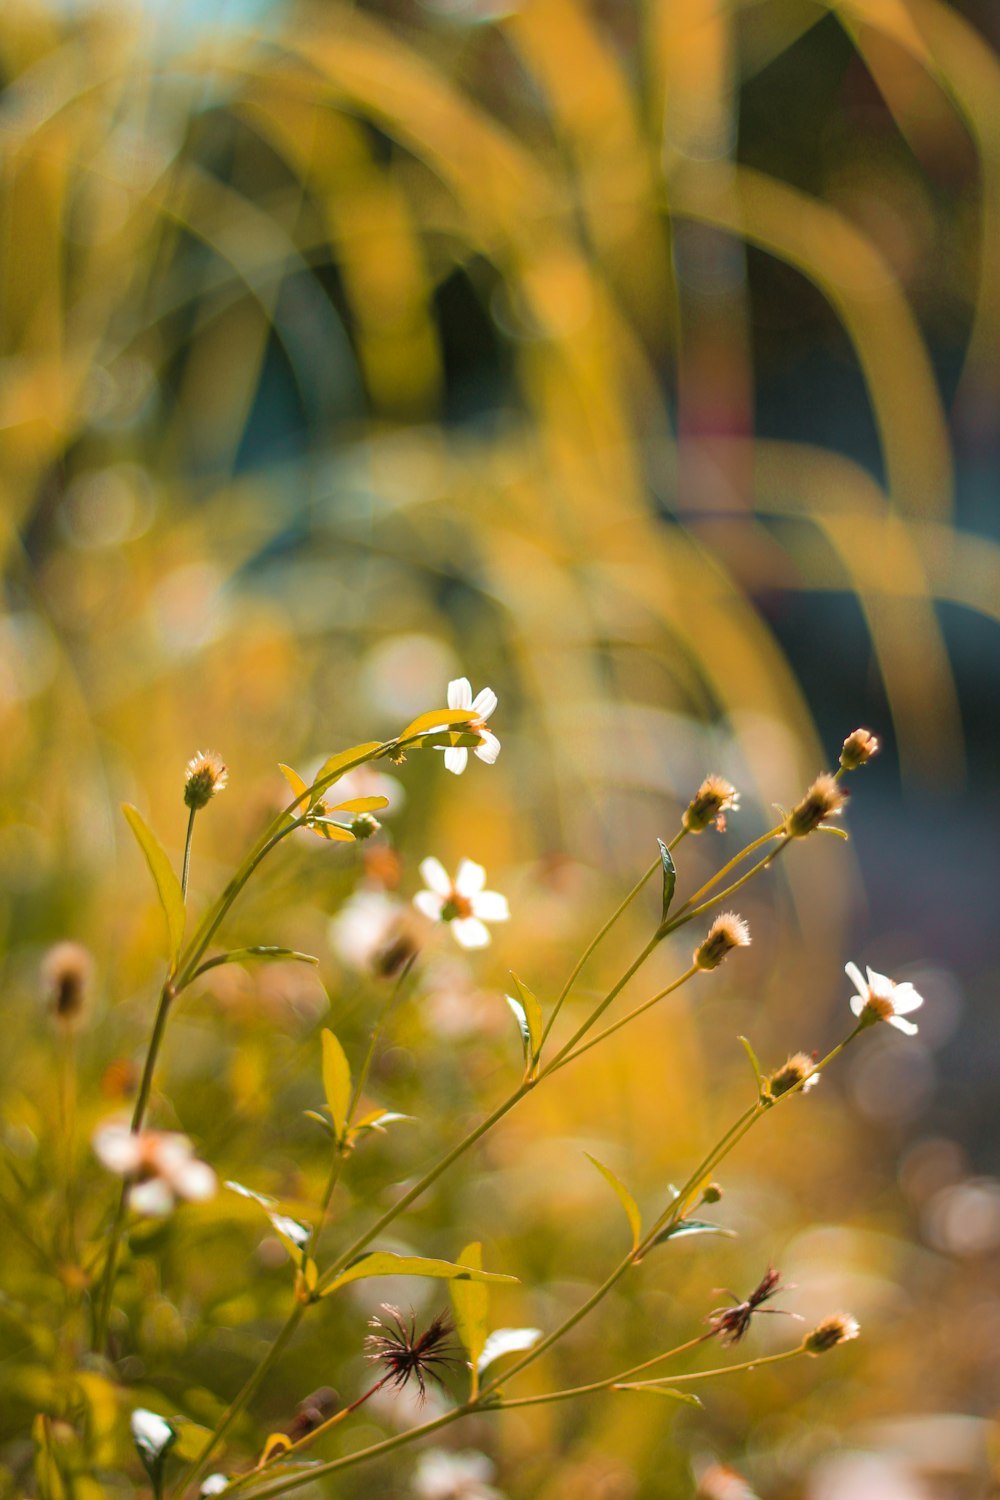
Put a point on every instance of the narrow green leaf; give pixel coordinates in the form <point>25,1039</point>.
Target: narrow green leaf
<point>754,1064</point>
<point>336,1081</point>
<point>385,1263</point>
<point>338,763</point>
<point>471,1303</point>
<point>687,1398</point>
<point>379,1119</point>
<point>841,833</point>
<point>437,718</point>
<point>628,1203</point>
<point>529,1018</point>
<point>507,1341</point>
<point>168,887</point>
<point>669,877</point>
<point>443,738</point>
<point>692,1226</point>
<point>362,804</point>
<point>261,950</point>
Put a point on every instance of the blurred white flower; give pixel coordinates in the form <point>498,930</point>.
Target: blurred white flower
<point>440,1475</point>
<point>882,999</point>
<point>462,902</point>
<point>373,933</point>
<point>365,781</point>
<point>162,1167</point>
<point>456,758</point>
<point>151,1433</point>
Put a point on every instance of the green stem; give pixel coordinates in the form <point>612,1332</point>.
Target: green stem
<point>731,864</point>
<point>595,1014</point>
<point>186,866</point>
<point>747,1364</point>
<point>689,912</point>
<point>601,1036</point>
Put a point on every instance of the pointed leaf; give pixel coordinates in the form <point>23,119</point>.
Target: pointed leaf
<point>692,1226</point>
<point>754,1064</point>
<point>362,804</point>
<point>294,1236</point>
<point>346,760</point>
<point>687,1398</point>
<point>441,739</point>
<point>313,1114</point>
<point>385,1263</point>
<point>507,1341</point>
<point>437,718</point>
<point>278,1442</point>
<point>471,1303</point>
<point>379,1119</point>
<point>529,1017</point>
<point>628,1203</point>
<point>336,1081</point>
<point>669,877</point>
<point>326,828</point>
<point>264,1199</point>
<point>296,783</point>
<point>260,950</point>
<point>168,887</point>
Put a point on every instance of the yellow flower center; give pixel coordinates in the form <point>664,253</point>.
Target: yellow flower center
<point>880,1005</point>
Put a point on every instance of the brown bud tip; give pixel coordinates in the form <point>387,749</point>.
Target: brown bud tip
<point>713,798</point>
<point>799,1071</point>
<point>859,748</point>
<point>836,1329</point>
<point>66,971</point>
<point>206,774</point>
<point>726,932</point>
<point>824,799</point>
<point>712,1194</point>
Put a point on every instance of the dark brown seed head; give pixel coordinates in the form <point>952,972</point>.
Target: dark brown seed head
<point>407,1355</point>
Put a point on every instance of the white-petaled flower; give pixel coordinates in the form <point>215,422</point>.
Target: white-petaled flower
<point>365,781</point>
<point>161,1165</point>
<point>151,1433</point>
<point>440,1475</point>
<point>882,999</point>
<point>456,757</point>
<point>214,1485</point>
<point>372,932</point>
<point>462,902</point>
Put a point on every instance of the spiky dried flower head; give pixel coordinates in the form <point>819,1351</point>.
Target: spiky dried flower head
<point>206,775</point>
<point>728,931</point>
<point>824,799</point>
<point>733,1323</point>
<point>838,1328</point>
<point>407,1355</point>
<point>859,748</point>
<point>798,1071</point>
<point>66,972</point>
<point>713,799</point>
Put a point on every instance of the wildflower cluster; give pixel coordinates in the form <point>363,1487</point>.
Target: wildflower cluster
<point>383,929</point>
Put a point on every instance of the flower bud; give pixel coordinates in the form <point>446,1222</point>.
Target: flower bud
<point>797,1072</point>
<point>66,971</point>
<point>834,1330</point>
<point>824,799</point>
<point>726,932</point>
<point>713,798</point>
<point>859,748</point>
<point>206,774</point>
<point>364,825</point>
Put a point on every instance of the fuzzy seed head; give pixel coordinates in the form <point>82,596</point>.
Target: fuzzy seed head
<point>859,748</point>
<point>797,1072</point>
<point>206,774</point>
<point>711,801</point>
<point>66,971</point>
<point>824,799</point>
<point>364,825</point>
<point>834,1330</point>
<point>728,931</point>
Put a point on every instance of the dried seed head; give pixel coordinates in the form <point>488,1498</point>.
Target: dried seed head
<point>406,1355</point>
<point>824,799</point>
<point>206,774</point>
<point>711,801</point>
<point>798,1072</point>
<point>726,932</point>
<point>66,971</point>
<point>834,1330</point>
<point>733,1323</point>
<point>859,748</point>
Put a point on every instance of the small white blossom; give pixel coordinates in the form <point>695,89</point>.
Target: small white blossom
<point>462,902</point>
<point>456,757</point>
<point>882,999</point>
<point>162,1167</point>
<point>214,1485</point>
<point>441,1475</point>
<point>151,1433</point>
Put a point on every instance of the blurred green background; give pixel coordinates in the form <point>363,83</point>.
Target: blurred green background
<point>642,361</point>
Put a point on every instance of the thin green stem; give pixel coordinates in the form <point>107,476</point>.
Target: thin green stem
<point>186,866</point>
<point>599,1010</point>
<point>747,1364</point>
<point>601,1036</point>
<point>731,864</point>
<point>686,915</point>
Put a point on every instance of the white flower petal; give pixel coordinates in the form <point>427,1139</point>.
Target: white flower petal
<point>490,906</point>
<point>880,983</point>
<point>214,1485</point>
<point>858,1003</point>
<point>429,904</point>
<point>460,693</point>
<point>489,747</point>
<point>435,876</point>
<point>470,933</point>
<point>470,878</point>
<point>195,1181</point>
<point>117,1148</point>
<point>484,703</point>
<point>900,1024</point>
<point>456,758</point>
<point>151,1432</point>
<point>171,1154</point>
<point>854,975</point>
<point>152,1198</point>
<point>906,999</point>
